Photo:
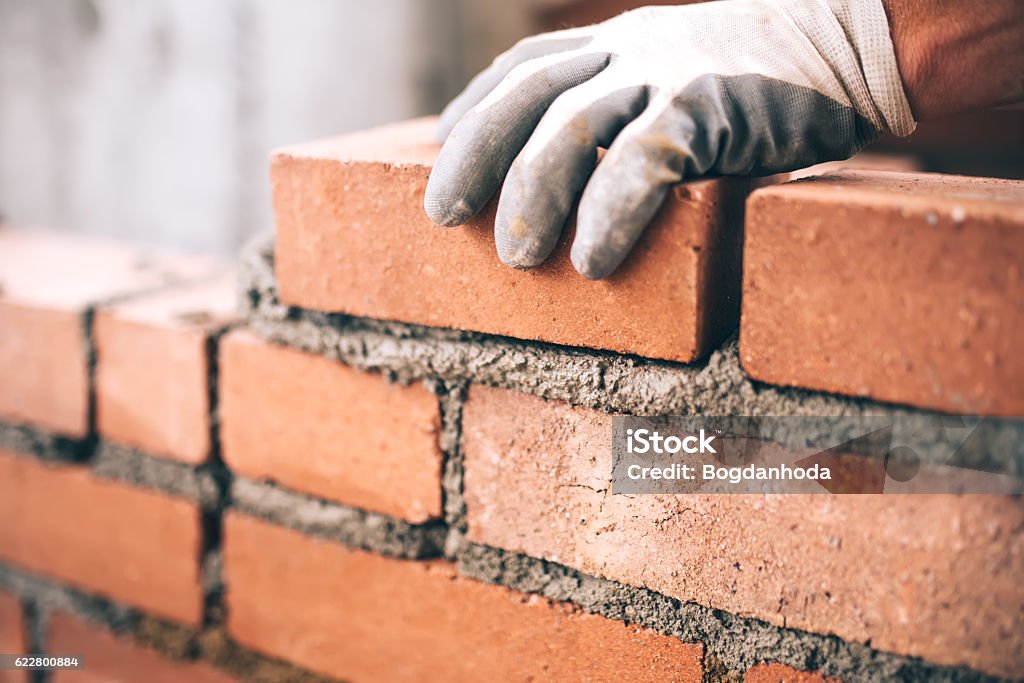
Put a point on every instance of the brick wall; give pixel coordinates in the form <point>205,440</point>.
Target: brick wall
<point>390,461</point>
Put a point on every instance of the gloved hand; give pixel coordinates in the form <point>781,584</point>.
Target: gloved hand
<point>723,88</point>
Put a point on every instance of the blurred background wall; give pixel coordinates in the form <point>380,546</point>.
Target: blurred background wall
<point>153,119</point>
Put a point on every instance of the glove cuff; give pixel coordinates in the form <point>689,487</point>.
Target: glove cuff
<point>867,28</point>
<point>853,37</point>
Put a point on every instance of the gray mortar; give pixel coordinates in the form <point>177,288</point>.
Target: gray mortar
<point>175,478</point>
<point>349,526</point>
<point>732,643</point>
<point>87,317</point>
<point>35,624</point>
<point>211,578</point>
<point>214,609</point>
<point>49,597</point>
<point>43,444</point>
<point>451,400</point>
<point>582,377</point>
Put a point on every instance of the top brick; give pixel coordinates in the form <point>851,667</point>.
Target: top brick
<point>62,271</point>
<point>352,237</point>
<point>47,282</point>
<point>901,287</point>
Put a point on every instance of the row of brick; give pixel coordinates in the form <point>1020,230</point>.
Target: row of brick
<point>151,360</point>
<point>373,445</point>
<point>547,497</point>
<point>154,355</point>
<point>368,641</point>
<point>537,479</point>
<point>387,619</point>
<point>901,287</point>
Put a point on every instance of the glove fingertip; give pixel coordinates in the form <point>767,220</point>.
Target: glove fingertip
<point>448,214</point>
<point>518,257</point>
<point>589,265</point>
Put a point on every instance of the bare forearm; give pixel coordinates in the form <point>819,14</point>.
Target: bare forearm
<point>956,55</point>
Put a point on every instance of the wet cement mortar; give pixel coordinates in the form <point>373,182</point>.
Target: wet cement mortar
<point>198,484</point>
<point>352,527</point>
<point>451,398</point>
<point>44,445</point>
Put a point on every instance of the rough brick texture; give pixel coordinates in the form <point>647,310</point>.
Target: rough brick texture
<point>152,368</point>
<point>111,659</point>
<point>12,635</point>
<point>47,282</point>
<point>931,576</point>
<point>352,236</point>
<point>398,620</point>
<point>320,427</point>
<point>903,288</point>
<point>131,545</point>
<point>43,365</point>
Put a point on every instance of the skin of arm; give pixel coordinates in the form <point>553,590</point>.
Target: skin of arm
<point>956,56</point>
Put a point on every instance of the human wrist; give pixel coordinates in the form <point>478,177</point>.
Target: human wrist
<point>955,57</point>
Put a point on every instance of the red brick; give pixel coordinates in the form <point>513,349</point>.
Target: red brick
<point>778,673</point>
<point>320,427</point>
<point>903,288</point>
<point>935,576</point>
<point>111,659</point>
<point>152,368</point>
<point>352,236</point>
<point>44,371</point>
<point>12,636</point>
<point>130,545</point>
<point>47,281</point>
<point>364,617</point>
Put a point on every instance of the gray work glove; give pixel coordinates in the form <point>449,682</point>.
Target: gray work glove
<point>722,88</point>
